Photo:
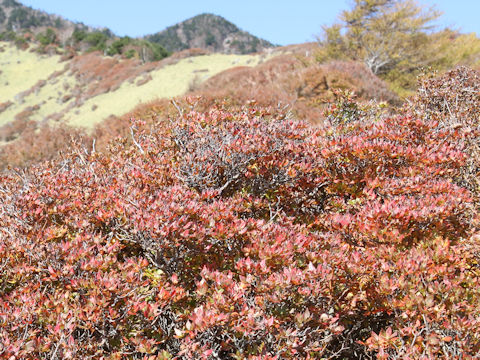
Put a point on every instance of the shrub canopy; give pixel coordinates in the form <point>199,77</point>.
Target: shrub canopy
<point>246,235</point>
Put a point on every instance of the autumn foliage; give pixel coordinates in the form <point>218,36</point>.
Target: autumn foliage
<point>28,142</point>
<point>293,80</point>
<point>246,234</point>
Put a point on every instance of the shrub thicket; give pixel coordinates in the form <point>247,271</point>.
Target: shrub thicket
<point>245,234</point>
<point>452,100</point>
<point>47,38</point>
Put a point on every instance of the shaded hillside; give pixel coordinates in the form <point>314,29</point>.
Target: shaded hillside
<point>208,31</point>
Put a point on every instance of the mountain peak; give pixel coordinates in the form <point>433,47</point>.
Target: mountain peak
<point>211,32</point>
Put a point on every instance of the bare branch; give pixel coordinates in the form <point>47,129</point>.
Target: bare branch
<point>135,141</point>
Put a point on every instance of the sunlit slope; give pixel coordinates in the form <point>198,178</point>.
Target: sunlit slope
<point>43,88</point>
<point>169,81</point>
<point>20,70</point>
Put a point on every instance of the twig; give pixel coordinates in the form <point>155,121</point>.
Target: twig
<point>135,141</point>
<point>56,348</point>
<point>177,107</point>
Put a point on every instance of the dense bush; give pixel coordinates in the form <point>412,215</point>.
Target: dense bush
<point>96,40</point>
<point>245,235</point>
<point>452,100</point>
<point>145,50</point>
<point>48,37</point>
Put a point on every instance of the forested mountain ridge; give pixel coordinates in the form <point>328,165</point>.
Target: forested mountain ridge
<point>21,19</point>
<point>15,16</point>
<point>206,31</point>
<point>211,32</point>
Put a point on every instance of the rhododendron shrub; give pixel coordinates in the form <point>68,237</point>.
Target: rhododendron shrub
<point>453,100</point>
<point>245,235</point>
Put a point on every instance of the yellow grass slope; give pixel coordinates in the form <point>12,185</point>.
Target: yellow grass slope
<point>166,82</point>
<point>44,88</point>
<point>20,70</point>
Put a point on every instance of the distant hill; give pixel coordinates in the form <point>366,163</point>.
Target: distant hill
<point>18,18</point>
<point>22,24</point>
<point>15,16</point>
<point>51,34</point>
<point>210,32</point>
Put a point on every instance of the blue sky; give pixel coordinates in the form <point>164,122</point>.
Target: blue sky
<point>279,21</point>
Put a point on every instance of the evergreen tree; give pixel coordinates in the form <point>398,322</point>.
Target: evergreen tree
<point>383,34</point>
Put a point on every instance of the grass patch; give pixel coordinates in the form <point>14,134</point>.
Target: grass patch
<point>20,71</point>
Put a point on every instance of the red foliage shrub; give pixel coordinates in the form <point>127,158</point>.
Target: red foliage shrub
<point>244,235</point>
<point>5,105</point>
<point>100,74</point>
<point>453,99</point>
<point>289,80</point>
<point>29,142</point>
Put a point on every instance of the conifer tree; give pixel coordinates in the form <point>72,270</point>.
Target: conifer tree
<point>384,34</point>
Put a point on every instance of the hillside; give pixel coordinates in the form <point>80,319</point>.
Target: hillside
<point>99,95</point>
<point>15,16</point>
<point>88,88</point>
<point>206,31</point>
<point>50,34</point>
<point>18,18</point>
<point>211,32</point>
